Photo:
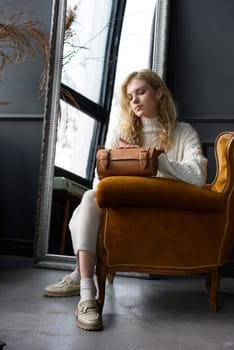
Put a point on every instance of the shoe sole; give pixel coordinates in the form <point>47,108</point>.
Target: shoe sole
<point>54,295</point>
<point>87,328</point>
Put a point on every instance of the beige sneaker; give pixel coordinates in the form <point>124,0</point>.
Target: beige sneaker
<point>64,288</point>
<point>87,316</point>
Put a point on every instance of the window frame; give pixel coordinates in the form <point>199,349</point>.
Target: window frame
<point>99,111</point>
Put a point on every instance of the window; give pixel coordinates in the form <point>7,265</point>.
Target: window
<point>85,52</point>
<point>74,133</point>
<point>89,75</point>
<point>135,46</point>
<point>89,66</point>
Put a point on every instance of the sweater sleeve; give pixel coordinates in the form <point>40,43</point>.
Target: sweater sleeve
<point>188,162</point>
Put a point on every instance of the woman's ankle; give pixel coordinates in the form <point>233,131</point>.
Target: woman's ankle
<point>87,289</point>
<point>75,276</point>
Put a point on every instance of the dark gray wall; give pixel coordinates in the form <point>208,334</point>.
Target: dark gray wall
<point>20,143</point>
<point>200,75</point>
<point>19,85</point>
<point>200,67</point>
<point>200,71</point>
<point>21,122</point>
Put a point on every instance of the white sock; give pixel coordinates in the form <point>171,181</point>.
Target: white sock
<point>75,276</point>
<point>87,289</point>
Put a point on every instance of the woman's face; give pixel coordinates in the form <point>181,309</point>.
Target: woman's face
<point>143,99</point>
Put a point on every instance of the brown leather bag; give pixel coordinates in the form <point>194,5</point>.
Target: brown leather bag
<point>126,161</point>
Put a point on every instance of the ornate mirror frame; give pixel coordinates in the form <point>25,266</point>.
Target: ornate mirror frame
<point>41,257</point>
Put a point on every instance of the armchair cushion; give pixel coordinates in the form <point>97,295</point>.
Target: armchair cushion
<point>162,193</point>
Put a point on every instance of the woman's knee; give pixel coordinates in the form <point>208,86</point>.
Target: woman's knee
<point>89,196</point>
<point>89,202</point>
<point>88,206</point>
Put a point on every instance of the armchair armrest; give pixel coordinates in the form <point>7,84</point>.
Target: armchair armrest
<point>224,155</point>
<point>162,193</point>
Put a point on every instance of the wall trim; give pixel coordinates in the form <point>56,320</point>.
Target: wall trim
<point>21,117</point>
<point>208,119</point>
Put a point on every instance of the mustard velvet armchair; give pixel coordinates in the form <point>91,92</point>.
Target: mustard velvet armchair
<point>168,227</point>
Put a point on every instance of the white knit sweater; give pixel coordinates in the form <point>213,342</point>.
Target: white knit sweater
<point>185,161</point>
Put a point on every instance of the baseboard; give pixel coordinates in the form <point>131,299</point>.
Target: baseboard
<point>16,247</point>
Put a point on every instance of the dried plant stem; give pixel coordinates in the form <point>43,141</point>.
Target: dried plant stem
<point>20,37</point>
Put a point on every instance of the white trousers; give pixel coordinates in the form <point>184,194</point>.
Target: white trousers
<point>85,222</point>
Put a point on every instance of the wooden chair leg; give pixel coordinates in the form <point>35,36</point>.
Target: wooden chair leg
<point>110,277</point>
<point>101,272</point>
<point>213,282</point>
<point>208,282</point>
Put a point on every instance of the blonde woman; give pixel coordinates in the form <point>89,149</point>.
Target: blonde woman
<point>148,118</point>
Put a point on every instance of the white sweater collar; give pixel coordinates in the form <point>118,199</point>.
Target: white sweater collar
<point>150,124</point>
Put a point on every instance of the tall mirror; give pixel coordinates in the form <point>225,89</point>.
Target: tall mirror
<point>94,46</point>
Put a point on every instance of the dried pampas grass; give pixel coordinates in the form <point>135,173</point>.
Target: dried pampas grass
<point>20,37</point>
<point>70,19</point>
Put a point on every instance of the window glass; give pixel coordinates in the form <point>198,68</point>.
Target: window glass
<point>84,50</point>
<point>74,137</point>
<point>135,46</point>
<point>83,71</point>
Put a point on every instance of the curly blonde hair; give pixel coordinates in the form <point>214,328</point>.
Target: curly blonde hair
<point>131,124</point>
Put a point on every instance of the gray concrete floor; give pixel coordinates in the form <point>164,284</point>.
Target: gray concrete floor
<point>139,314</point>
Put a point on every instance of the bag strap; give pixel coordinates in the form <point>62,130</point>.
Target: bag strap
<point>144,158</point>
<point>105,158</point>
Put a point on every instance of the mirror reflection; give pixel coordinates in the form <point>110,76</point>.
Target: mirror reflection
<point>102,43</point>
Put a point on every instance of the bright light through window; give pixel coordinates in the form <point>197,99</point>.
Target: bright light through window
<point>84,52</point>
<point>135,45</point>
<point>84,72</point>
<point>74,137</point>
